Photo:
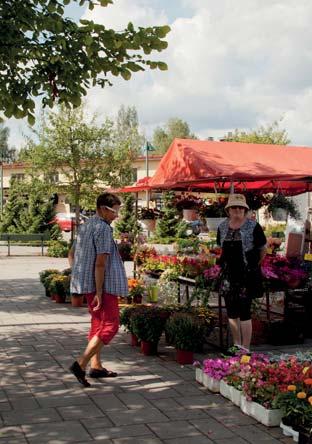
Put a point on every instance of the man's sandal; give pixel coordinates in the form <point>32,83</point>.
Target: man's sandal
<point>80,374</point>
<point>101,373</point>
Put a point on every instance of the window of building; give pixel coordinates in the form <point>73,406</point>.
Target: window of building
<point>18,176</point>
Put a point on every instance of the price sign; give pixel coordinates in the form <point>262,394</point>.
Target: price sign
<point>308,257</point>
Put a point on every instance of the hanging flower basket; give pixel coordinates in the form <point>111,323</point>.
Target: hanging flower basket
<point>190,215</point>
<point>149,224</point>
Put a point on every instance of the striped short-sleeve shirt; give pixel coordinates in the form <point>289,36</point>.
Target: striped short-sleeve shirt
<point>96,237</point>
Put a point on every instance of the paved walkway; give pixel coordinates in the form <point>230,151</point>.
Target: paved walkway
<point>154,400</point>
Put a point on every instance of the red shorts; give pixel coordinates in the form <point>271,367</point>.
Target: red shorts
<point>105,321</point>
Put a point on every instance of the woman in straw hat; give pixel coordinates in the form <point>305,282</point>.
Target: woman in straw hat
<point>243,249</point>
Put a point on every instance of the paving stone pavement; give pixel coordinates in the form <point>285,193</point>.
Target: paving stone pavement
<point>154,400</point>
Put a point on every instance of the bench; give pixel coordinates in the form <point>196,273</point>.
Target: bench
<point>8,237</point>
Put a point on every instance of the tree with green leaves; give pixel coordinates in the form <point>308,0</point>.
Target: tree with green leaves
<point>270,134</point>
<point>170,225</point>
<point>7,154</point>
<point>127,221</point>
<point>29,209</point>
<point>87,156</point>
<point>174,128</point>
<point>47,55</point>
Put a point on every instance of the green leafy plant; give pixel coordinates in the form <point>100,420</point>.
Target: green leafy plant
<point>45,273</point>
<point>58,249</point>
<point>59,284</point>
<point>148,324</point>
<point>186,331</point>
<point>281,201</point>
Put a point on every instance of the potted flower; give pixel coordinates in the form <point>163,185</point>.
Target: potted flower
<point>148,217</point>
<point>296,406</point>
<point>186,332</point>
<point>125,320</point>
<point>214,212</point>
<point>136,291</point>
<point>148,325</point>
<point>281,207</point>
<point>43,275</point>
<point>59,287</point>
<point>189,205</point>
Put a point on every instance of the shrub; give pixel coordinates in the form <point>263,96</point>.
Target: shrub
<point>148,324</point>
<point>58,248</point>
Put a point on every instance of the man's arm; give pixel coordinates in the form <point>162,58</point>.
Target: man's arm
<point>99,272</point>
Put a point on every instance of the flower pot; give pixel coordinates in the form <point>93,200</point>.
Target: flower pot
<point>47,293</point>
<point>225,389</point>
<point>260,332</point>
<point>77,301</point>
<point>134,340</point>
<point>305,435</point>
<point>279,214</point>
<point>190,215</point>
<point>149,224</point>
<point>137,299</point>
<point>199,375</point>
<point>289,431</point>
<point>211,383</point>
<point>213,222</point>
<point>52,296</point>
<point>267,417</point>
<point>184,357</point>
<point>59,299</point>
<point>235,395</point>
<point>148,348</point>
<point>246,406</point>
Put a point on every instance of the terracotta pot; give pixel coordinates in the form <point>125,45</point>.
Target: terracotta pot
<point>134,340</point>
<point>259,332</point>
<point>52,296</point>
<point>77,301</point>
<point>184,357</point>
<point>148,348</point>
<point>59,299</point>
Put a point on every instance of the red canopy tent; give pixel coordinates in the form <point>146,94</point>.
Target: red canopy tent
<point>140,185</point>
<point>215,166</point>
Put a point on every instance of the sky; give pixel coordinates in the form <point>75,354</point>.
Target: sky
<point>232,65</point>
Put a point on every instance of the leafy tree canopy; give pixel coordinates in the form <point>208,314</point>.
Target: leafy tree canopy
<point>43,53</point>
<point>270,134</point>
<point>7,154</point>
<point>163,137</point>
<point>87,156</point>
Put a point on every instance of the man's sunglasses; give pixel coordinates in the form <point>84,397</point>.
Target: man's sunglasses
<point>111,209</point>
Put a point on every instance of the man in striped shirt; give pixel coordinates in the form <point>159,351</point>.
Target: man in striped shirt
<point>98,273</point>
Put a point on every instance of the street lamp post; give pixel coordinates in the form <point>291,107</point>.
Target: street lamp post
<point>148,147</point>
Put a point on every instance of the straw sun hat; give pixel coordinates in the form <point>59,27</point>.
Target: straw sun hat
<point>236,200</point>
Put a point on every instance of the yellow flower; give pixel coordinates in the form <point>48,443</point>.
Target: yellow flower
<point>301,395</point>
<point>304,371</point>
<point>310,399</point>
<point>245,359</point>
<point>291,388</point>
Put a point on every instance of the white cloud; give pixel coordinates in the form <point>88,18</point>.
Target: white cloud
<point>231,65</point>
